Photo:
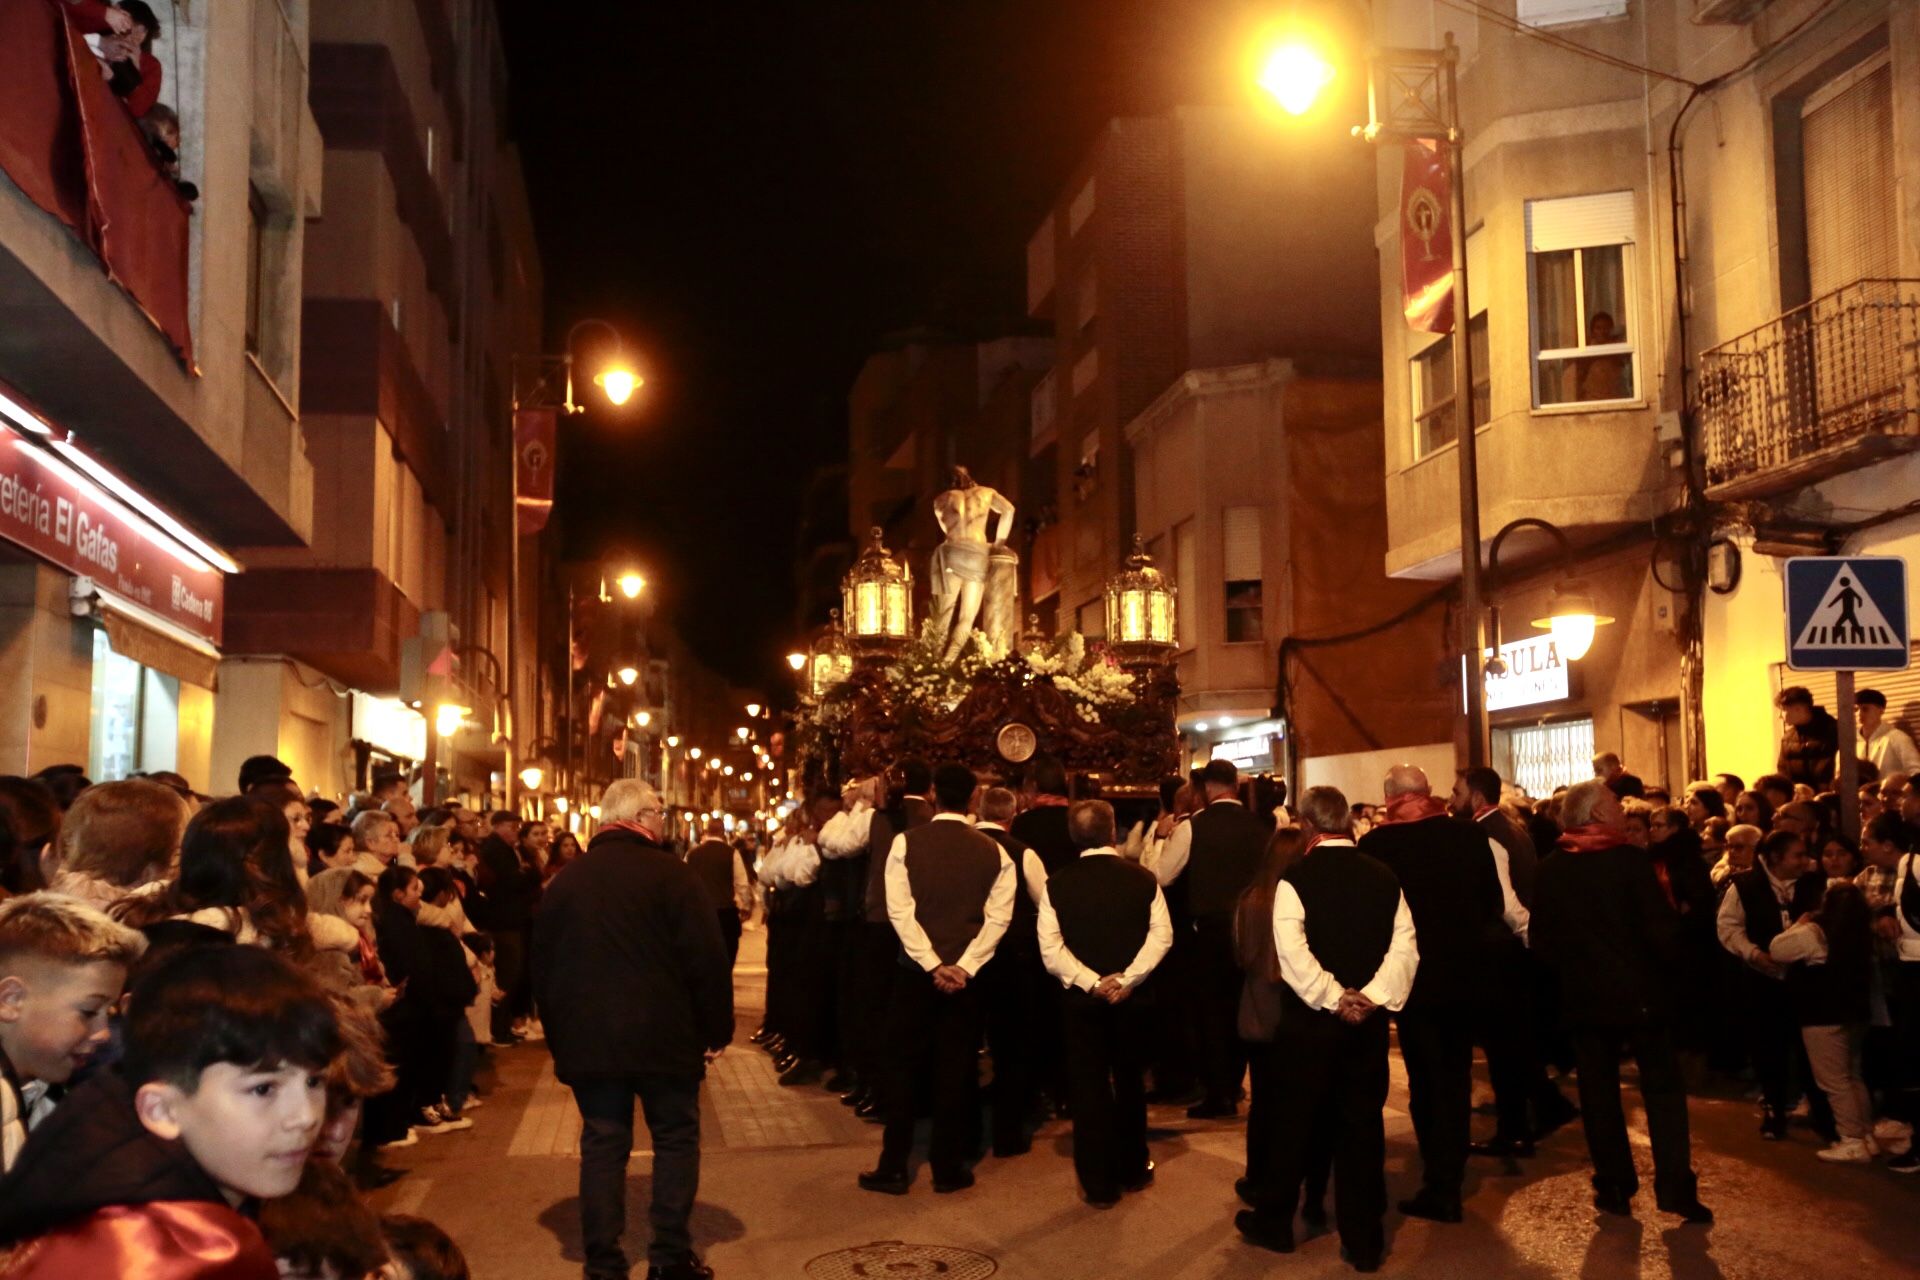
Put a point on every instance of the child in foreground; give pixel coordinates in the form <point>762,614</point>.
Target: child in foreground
<point>62,964</point>
<point>156,1168</point>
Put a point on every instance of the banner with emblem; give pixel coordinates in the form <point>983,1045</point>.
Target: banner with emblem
<point>534,432</point>
<point>1426,238</point>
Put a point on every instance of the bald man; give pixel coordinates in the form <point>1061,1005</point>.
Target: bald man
<point>1452,885</point>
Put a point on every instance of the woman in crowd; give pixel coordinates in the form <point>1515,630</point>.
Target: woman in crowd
<point>418,1026</point>
<point>1754,810</point>
<point>1829,954</point>
<point>428,844</point>
<point>235,876</point>
<point>33,818</point>
<point>329,846</point>
<point>1704,803</point>
<point>1839,858</point>
<point>118,838</point>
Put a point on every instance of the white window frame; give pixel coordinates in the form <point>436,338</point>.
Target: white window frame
<point>1565,13</point>
<point>1630,305</point>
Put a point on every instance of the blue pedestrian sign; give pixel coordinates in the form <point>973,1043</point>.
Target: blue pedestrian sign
<point>1847,613</point>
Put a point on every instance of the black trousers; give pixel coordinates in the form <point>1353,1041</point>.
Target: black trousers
<point>1779,1054</point>
<point>672,1106</point>
<point>1265,1109</point>
<point>1011,987</point>
<point>1106,1088</point>
<point>1328,1072</point>
<point>1216,1009</point>
<point>730,933</point>
<point>873,968</point>
<point>1436,1042</point>
<point>509,975</point>
<point>1176,1054</point>
<point>1663,1094</point>
<point>933,1035</point>
<point>1903,1003</point>
<point>1508,1029</point>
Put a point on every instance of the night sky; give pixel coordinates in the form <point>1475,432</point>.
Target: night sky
<point>757,194</point>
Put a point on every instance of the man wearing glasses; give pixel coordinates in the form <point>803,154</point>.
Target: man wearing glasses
<point>635,991</point>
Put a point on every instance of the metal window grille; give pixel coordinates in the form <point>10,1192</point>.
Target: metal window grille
<point>1546,756</point>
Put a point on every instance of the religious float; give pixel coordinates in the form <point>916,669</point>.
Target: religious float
<point>966,686</point>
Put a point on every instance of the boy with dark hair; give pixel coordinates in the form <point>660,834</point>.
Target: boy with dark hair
<point>62,965</point>
<point>152,1169</point>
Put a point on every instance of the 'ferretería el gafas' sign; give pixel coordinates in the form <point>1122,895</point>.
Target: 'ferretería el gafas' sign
<point>61,516</point>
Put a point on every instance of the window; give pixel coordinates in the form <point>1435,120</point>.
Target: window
<point>1538,758</point>
<point>1185,577</point>
<point>1093,618</point>
<point>256,280</point>
<point>1088,306</point>
<point>1080,210</point>
<point>1240,561</point>
<point>135,722</point>
<point>1579,263</point>
<point>1852,217</point>
<point>1434,423</point>
<point>1560,13</point>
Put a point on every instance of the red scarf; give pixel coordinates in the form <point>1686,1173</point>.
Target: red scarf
<point>1591,837</point>
<point>1049,802</point>
<point>1412,807</point>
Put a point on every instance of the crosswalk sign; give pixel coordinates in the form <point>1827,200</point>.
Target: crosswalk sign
<point>1847,613</point>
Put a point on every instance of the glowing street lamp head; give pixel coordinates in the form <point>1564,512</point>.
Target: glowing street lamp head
<point>631,584</point>
<point>693,753</point>
<point>448,717</point>
<point>673,740</point>
<point>628,674</point>
<point>1572,619</point>
<point>798,661</point>
<point>532,776</point>
<point>741,733</point>
<point>641,719</point>
<point>753,710</point>
<point>1293,76</point>
<point>619,383</point>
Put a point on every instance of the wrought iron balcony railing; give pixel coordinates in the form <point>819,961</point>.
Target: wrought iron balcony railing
<point>1828,387</point>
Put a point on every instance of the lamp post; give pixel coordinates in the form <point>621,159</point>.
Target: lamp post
<point>1413,96</point>
<point>1572,617</point>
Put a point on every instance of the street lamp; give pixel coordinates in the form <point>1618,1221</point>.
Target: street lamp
<point>448,717</point>
<point>753,711</point>
<point>619,383</point>
<point>1413,98</point>
<point>673,740</point>
<point>1572,617</point>
<point>628,673</point>
<point>1294,74</point>
<point>631,584</point>
<point>797,661</point>
<point>693,753</point>
<point>532,776</point>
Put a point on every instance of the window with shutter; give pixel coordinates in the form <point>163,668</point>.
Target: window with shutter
<point>1240,561</point>
<point>1847,149</point>
<point>1560,13</point>
<point>1580,284</point>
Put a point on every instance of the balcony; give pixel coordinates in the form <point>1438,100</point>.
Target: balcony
<point>1829,387</point>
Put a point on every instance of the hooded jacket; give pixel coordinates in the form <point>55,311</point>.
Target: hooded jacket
<point>94,1193</point>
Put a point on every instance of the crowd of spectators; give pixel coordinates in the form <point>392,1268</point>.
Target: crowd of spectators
<point>217,1013</point>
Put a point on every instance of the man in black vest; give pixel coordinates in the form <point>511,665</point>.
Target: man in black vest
<point>1103,927</point>
<point>1777,890</point>
<point>1446,870</point>
<point>950,896</point>
<point>1345,943</point>
<point>1014,995</point>
<point>1043,826</point>
<point>1529,1104</point>
<point>1601,920</point>
<point>715,865</point>
<point>1216,853</point>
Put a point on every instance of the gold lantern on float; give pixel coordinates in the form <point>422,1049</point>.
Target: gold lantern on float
<point>1140,611</point>
<point>877,596</point>
<point>829,661</point>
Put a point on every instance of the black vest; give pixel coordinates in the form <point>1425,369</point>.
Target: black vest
<point>711,862</point>
<point>1105,908</point>
<point>1023,933</point>
<point>951,869</point>
<point>1762,910</point>
<point>1351,900</point>
<point>1445,867</point>
<point>1227,842</point>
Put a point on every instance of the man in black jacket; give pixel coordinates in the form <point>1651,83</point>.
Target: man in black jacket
<point>1043,825</point>
<point>1601,920</point>
<point>1213,856</point>
<point>1811,742</point>
<point>505,910</point>
<point>1452,885</point>
<point>724,878</point>
<point>1016,999</point>
<point>633,986</point>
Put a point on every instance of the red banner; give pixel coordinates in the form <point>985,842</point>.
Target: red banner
<point>534,432</point>
<point>53,511</point>
<point>1426,238</point>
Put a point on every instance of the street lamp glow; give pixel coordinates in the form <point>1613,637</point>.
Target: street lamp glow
<point>593,811</point>
<point>693,753</point>
<point>798,661</point>
<point>1293,76</point>
<point>673,740</point>
<point>641,719</point>
<point>741,733</point>
<point>559,804</point>
<point>619,383</point>
<point>1573,619</point>
<point>631,584</point>
<point>628,674</point>
<point>753,710</point>
<point>532,776</point>
<point>727,772</point>
<point>746,777</point>
<point>448,717</point>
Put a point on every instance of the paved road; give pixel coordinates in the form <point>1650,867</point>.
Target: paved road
<point>777,1194</point>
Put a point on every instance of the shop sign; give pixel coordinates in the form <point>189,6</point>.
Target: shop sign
<point>58,514</point>
<point>390,725</point>
<point>1535,673</point>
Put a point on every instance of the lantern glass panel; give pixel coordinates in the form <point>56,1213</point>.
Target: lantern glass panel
<point>869,609</point>
<point>1160,616</point>
<point>897,601</point>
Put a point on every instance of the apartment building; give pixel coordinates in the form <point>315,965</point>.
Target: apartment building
<point>150,380</point>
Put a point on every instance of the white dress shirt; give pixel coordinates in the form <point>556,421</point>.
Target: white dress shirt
<point>913,938</point>
<point>1179,847</point>
<point>1033,872</point>
<point>1391,983</point>
<point>1891,750</point>
<point>1511,909</point>
<point>1064,965</point>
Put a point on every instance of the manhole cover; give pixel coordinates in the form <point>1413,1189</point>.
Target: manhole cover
<point>892,1260</point>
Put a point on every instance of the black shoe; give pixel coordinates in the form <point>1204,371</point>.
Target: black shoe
<point>1314,1214</point>
<point>1773,1127</point>
<point>868,1109</point>
<point>887,1184</point>
<point>1502,1148</point>
<point>1210,1110</point>
<point>1367,1262</point>
<point>759,1035</point>
<point>1243,1187</point>
<point>1104,1201</point>
<point>959,1180</point>
<point>1432,1206</point>
<point>1139,1181</point>
<point>783,1063</point>
<point>691,1269</point>
<point>1008,1148</point>
<point>856,1097</point>
<point>1690,1210</point>
<point>804,1071</point>
<point>1556,1113</point>
<point>775,1043</point>
<point>1264,1230</point>
<point>369,1176</point>
<point>1613,1201</point>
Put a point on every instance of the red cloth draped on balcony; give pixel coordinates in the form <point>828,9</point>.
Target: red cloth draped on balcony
<point>70,146</point>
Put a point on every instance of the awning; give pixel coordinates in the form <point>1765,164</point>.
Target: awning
<point>133,637</point>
